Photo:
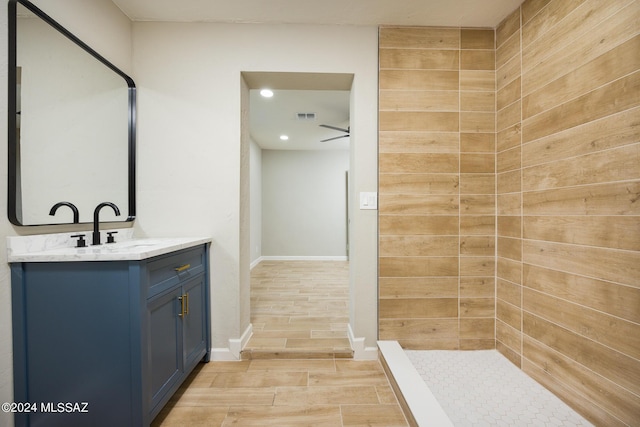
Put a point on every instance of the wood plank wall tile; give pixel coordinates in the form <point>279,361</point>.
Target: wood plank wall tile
<point>568,230</point>
<point>509,189</point>
<point>510,195</point>
<point>437,187</point>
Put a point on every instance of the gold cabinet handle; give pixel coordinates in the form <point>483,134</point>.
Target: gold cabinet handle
<point>182,268</point>
<point>186,303</point>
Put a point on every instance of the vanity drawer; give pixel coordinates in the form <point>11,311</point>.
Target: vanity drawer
<point>167,271</point>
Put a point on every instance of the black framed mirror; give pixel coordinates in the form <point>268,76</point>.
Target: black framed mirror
<point>71,124</point>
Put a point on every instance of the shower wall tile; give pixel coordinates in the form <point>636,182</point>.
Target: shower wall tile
<point>568,239</point>
<point>509,247</point>
<point>477,59</point>
<point>419,163</point>
<point>418,142</point>
<point>509,188</point>
<point>508,269</point>
<point>418,79</point>
<point>419,121</point>
<point>477,225</point>
<point>477,80</point>
<point>417,59</point>
<point>509,160</point>
<point>510,226</point>
<point>587,291</point>
<point>427,100</point>
<point>523,146</point>
<point>477,204</point>
<point>471,38</point>
<point>477,183</point>
<point>477,287</point>
<point>477,329</point>
<point>509,292</point>
<point>477,245</point>
<point>423,287</point>
<point>418,245</point>
<point>477,101</point>
<point>437,187</point>
<point>507,338</point>
<point>477,163</point>
<point>418,224</point>
<point>417,334</point>
<point>419,38</point>
<point>510,93</point>
<point>509,137</point>
<point>414,308</point>
<point>477,142</point>
<point>418,183</point>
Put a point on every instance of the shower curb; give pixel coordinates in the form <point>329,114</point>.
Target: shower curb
<point>418,403</point>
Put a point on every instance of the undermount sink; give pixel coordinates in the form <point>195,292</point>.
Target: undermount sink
<point>132,243</point>
<point>127,246</point>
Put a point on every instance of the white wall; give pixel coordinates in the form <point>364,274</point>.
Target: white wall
<point>255,188</point>
<point>103,26</point>
<point>189,151</point>
<point>304,203</point>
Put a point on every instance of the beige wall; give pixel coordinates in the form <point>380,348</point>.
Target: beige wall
<point>437,187</point>
<point>568,162</point>
<point>189,131</point>
<point>304,212</point>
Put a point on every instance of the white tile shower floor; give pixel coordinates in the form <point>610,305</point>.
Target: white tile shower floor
<point>482,388</point>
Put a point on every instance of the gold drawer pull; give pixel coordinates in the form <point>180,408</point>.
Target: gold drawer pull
<point>182,268</point>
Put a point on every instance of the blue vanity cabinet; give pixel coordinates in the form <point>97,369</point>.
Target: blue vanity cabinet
<point>107,343</point>
<point>177,337</point>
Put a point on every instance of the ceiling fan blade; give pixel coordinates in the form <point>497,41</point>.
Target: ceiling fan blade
<point>335,128</point>
<point>335,137</point>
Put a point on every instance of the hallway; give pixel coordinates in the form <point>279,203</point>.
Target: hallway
<point>299,309</point>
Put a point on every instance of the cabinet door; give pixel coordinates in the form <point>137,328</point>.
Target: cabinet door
<point>165,339</point>
<point>195,330</point>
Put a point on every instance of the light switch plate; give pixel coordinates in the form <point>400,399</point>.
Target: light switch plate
<point>368,200</point>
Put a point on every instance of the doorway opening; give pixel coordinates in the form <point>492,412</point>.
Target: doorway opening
<point>299,151</point>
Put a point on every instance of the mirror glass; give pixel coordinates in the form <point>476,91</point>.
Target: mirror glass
<point>71,125</point>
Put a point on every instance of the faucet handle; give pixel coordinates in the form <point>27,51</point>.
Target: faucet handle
<point>110,238</point>
<point>81,243</point>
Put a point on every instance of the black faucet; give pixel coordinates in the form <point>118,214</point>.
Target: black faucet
<point>96,221</point>
<point>76,214</point>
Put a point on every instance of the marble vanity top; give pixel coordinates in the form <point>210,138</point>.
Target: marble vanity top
<point>60,247</point>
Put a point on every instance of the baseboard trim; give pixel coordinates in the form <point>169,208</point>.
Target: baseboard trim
<point>255,263</point>
<point>296,258</point>
<point>222,355</point>
<point>303,258</point>
<point>360,352</point>
<point>232,353</point>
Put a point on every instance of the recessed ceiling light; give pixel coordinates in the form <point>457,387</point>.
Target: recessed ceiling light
<point>267,93</point>
<point>284,137</point>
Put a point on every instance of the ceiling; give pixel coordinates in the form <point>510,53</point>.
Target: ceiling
<point>269,118</point>
<point>456,13</point>
<point>325,95</point>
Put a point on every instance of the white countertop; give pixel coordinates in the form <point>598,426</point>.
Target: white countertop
<point>61,247</point>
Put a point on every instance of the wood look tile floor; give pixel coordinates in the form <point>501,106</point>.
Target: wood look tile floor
<point>297,369</point>
<point>299,309</point>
